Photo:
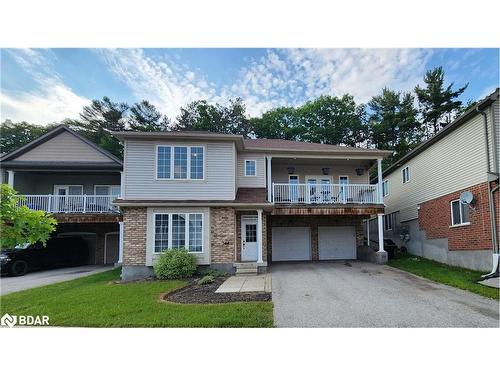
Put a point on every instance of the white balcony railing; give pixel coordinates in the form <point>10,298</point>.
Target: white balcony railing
<point>70,203</point>
<point>325,193</point>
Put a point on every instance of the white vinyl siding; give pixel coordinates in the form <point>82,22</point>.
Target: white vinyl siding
<point>455,162</point>
<point>64,147</point>
<point>259,180</point>
<point>141,182</point>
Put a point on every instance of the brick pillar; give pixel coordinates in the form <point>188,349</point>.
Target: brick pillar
<point>134,236</point>
<point>223,236</point>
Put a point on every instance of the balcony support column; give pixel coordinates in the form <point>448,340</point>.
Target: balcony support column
<point>269,180</point>
<point>10,178</point>
<point>120,244</point>
<point>259,237</point>
<point>381,254</point>
<point>379,181</point>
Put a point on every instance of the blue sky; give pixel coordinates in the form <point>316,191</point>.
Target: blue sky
<point>47,85</point>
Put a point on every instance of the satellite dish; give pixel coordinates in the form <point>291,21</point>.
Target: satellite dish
<point>466,197</point>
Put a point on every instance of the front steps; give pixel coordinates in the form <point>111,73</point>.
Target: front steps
<point>247,268</point>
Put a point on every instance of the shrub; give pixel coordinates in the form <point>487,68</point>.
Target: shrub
<point>208,279</point>
<point>175,264</point>
<point>212,272</point>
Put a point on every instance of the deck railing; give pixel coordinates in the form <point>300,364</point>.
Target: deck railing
<point>70,203</point>
<point>325,193</point>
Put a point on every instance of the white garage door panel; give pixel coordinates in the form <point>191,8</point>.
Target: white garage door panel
<point>291,243</point>
<point>337,243</point>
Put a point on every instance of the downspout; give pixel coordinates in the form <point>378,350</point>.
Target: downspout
<point>491,203</point>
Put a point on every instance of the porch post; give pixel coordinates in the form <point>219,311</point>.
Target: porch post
<point>259,236</point>
<point>379,181</point>
<point>122,184</point>
<point>10,178</point>
<point>120,244</point>
<point>368,231</point>
<point>380,233</point>
<point>269,180</point>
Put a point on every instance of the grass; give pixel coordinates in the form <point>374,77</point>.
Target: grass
<point>94,301</point>
<point>457,277</point>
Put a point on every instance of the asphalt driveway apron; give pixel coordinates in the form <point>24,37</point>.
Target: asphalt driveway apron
<point>359,294</point>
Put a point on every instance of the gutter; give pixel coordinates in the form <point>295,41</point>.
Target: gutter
<point>491,178</point>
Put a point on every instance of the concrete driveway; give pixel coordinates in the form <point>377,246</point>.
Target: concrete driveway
<point>359,294</point>
<point>9,284</point>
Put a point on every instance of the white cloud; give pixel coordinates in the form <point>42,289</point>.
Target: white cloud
<point>51,101</point>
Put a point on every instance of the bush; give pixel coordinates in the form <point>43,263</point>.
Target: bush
<point>208,279</point>
<point>175,264</point>
<point>212,272</point>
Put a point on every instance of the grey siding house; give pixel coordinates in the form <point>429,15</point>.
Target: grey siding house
<point>67,175</point>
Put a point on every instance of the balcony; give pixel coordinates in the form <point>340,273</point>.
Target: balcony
<point>325,194</point>
<point>70,203</point>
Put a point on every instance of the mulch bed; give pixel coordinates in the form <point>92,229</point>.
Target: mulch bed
<point>194,293</point>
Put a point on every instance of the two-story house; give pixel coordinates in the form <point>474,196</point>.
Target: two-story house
<point>442,198</point>
<point>65,174</point>
<point>239,204</point>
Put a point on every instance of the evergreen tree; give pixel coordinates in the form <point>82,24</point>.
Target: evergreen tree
<point>438,105</point>
<point>144,116</point>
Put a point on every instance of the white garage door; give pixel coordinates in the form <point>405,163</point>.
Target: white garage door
<point>337,243</point>
<point>291,243</point>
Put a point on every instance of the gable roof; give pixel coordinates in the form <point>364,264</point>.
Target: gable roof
<point>10,157</point>
<point>484,103</point>
<point>246,144</point>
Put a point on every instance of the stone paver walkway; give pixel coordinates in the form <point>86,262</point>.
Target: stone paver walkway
<point>250,283</point>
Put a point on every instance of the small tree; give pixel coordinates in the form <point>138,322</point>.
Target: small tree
<point>19,224</point>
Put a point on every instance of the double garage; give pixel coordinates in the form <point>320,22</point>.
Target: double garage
<point>314,239</point>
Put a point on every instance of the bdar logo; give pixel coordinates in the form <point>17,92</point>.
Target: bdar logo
<point>8,320</point>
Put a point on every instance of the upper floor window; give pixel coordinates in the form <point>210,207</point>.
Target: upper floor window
<point>459,213</point>
<point>385,188</point>
<point>114,190</point>
<point>180,162</point>
<point>405,174</point>
<point>250,168</point>
<point>388,222</point>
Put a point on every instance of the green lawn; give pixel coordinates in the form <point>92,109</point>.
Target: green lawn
<point>442,273</point>
<point>95,302</point>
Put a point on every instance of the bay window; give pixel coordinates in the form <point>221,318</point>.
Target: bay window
<point>179,230</point>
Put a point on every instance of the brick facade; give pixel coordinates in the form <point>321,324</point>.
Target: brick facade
<point>134,236</point>
<point>222,235</point>
<point>314,222</point>
<point>434,218</point>
<point>238,234</point>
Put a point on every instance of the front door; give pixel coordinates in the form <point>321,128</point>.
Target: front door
<point>248,239</point>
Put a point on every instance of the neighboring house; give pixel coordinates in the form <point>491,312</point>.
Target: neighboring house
<point>64,173</point>
<point>239,204</point>
<point>422,192</point>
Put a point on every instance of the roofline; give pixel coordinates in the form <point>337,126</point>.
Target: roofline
<point>486,102</point>
<point>51,134</point>
<point>239,140</point>
<point>150,203</point>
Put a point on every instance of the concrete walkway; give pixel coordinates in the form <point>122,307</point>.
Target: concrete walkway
<point>493,282</point>
<point>250,283</point>
<point>359,294</point>
<point>10,284</point>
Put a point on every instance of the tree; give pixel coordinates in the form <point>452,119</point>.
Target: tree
<point>19,224</point>
<point>15,135</point>
<point>98,119</point>
<point>393,122</point>
<point>333,120</point>
<point>279,123</point>
<point>202,116</point>
<point>437,104</point>
<point>145,117</point>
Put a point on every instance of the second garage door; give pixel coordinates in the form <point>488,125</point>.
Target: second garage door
<point>337,243</point>
<point>291,243</point>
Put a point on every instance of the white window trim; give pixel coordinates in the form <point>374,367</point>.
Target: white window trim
<point>186,238</point>
<point>172,157</point>
<point>387,191</point>
<point>346,176</point>
<point>66,186</point>
<point>245,168</point>
<point>104,185</point>
<point>462,223</point>
<point>408,175</point>
<point>294,175</point>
